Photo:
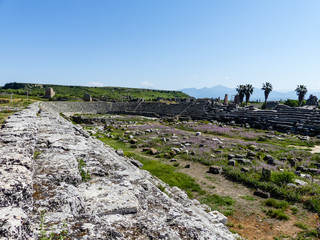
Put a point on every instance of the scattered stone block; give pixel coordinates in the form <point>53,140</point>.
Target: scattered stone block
<point>153,151</point>
<point>266,174</point>
<point>261,194</point>
<point>215,170</point>
<point>232,163</point>
<point>299,182</point>
<point>49,93</point>
<point>119,152</point>
<point>187,166</point>
<point>245,169</point>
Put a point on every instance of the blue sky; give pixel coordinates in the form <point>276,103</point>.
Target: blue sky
<point>161,44</point>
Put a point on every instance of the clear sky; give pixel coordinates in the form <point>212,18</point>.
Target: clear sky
<point>161,44</point>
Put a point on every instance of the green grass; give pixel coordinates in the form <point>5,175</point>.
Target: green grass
<point>221,203</point>
<point>85,175</point>
<point>36,154</point>
<point>302,225</point>
<point>277,213</point>
<point>169,175</point>
<point>249,198</point>
<point>294,210</point>
<point>271,202</point>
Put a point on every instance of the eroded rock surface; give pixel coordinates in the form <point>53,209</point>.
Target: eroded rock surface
<point>41,161</point>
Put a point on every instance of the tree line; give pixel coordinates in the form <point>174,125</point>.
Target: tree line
<point>247,90</point>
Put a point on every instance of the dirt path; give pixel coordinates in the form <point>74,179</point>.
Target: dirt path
<point>315,149</point>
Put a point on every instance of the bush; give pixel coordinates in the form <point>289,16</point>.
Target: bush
<point>271,202</point>
<point>294,103</point>
<point>281,178</point>
<point>313,204</point>
<point>277,213</point>
<point>276,191</point>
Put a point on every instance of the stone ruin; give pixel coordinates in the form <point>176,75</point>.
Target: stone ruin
<point>42,161</point>
<point>87,98</point>
<point>49,93</point>
<point>237,99</point>
<point>225,101</point>
<point>313,101</point>
<point>281,118</point>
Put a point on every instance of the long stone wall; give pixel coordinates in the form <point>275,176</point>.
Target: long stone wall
<point>282,118</point>
<point>42,162</point>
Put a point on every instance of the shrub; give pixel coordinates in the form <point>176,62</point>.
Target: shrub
<point>271,202</point>
<point>294,210</point>
<point>302,225</point>
<point>294,103</point>
<point>313,204</point>
<point>276,191</point>
<point>281,178</point>
<point>277,213</point>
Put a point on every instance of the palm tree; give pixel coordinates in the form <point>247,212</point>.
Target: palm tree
<point>240,90</point>
<point>248,90</point>
<point>301,92</point>
<point>267,88</point>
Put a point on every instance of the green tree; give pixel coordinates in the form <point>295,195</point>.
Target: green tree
<point>267,88</point>
<point>240,89</point>
<point>301,91</point>
<point>248,90</point>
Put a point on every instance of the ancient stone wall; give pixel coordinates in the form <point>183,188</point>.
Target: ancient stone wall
<point>44,159</point>
<point>282,118</point>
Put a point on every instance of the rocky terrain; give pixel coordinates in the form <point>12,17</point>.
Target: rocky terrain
<point>266,182</point>
<point>57,182</point>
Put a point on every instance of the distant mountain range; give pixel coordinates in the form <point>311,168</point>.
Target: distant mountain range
<point>258,94</point>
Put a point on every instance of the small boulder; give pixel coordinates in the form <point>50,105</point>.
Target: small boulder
<point>153,151</point>
<point>119,152</point>
<point>136,163</point>
<point>232,163</point>
<point>300,182</point>
<point>251,154</point>
<point>261,194</point>
<point>215,170</point>
<point>268,157</point>
<point>266,174</point>
<point>245,169</point>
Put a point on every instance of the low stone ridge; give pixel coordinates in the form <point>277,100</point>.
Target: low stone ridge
<point>53,172</point>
